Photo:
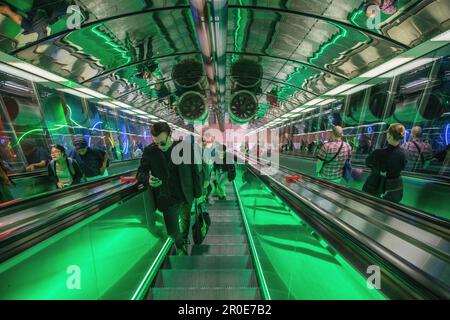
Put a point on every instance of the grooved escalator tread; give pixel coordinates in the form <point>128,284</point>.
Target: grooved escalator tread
<point>204,294</point>
<point>225,239</point>
<point>226,278</point>
<point>208,262</point>
<point>219,249</point>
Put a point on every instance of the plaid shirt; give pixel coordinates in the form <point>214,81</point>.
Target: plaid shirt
<point>414,158</point>
<point>335,169</point>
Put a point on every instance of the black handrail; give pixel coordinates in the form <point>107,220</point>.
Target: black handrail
<point>400,211</point>
<point>44,173</point>
<point>403,212</point>
<point>27,202</point>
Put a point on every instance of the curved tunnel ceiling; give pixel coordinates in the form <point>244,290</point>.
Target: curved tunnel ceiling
<point>306,47</point>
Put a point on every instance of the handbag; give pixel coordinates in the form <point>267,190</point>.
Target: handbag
<point>347,174</point>
<point>201,225</point>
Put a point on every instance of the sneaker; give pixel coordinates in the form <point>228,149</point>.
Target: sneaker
<point>211,200</point>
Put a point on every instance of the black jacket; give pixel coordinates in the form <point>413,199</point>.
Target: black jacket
<point>385,177</point>
<point>154,161</point>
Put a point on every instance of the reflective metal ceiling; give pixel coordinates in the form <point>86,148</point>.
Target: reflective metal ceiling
<point>305,47</point>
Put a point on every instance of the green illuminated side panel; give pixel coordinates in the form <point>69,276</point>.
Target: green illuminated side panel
<point>296,263</point>
<point>103,257</point>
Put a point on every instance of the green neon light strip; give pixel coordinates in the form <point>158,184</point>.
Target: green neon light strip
<point>342,34</point>
<point>70,116</point>
<point>111,42</point>
<point>355,15</point>
<point>259,272</point>
<point>152,271</point>
<point>237,43</point>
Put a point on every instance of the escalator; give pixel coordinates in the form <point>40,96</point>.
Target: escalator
<point>257,248</point>
<point>421,192</point>
<point>411,247</point>
<point>31,184</point>
<point>221,268</point>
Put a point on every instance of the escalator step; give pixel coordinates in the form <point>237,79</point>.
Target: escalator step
<point>225,230</point>
<point>225,205</point>
<point>206,278</point>
<point>219,249</point>
<point>231,212</point>
<point>225,218</point>
<point>225,239</point>
<point>225,224</point>
<point>204,294</point>
<point>208,262</point>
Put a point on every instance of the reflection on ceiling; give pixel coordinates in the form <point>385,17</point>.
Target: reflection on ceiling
<point>279,54</point>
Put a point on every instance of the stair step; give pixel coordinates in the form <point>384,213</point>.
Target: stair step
<point>204,294</point>
<point>231,212</point>
<point>208,262</point>
<point>224,224</point>
<point>218,249</point>
<point>225,239</point>
<point>205,278</point>
<point>225,218</point>
<point>216,230</point>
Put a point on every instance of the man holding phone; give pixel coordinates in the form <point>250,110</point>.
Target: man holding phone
<point>175,185</point>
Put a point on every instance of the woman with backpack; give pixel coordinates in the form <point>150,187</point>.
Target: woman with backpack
<point>385,180</point>
<point>63,170</point>
<point>5,182</point>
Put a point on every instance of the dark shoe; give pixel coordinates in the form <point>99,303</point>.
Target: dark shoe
<point>222,198</point>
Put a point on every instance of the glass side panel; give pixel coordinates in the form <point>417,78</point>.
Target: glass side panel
<point>103,257</point>
<point>428,196</point>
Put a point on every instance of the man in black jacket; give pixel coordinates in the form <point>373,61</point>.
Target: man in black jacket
<point>175,183</point>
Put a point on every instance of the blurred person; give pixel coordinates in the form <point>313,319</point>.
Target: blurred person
<point>332,157</point>
<point>5,182</point>
<point>385,6</point>
<point>224,170</point>
<point>419,151</point>
<point>62,169</point>
<point>386,165</point>
<point>175,186</point>
<point>93,162</point>
<point>209,153</point>
<point>39,18</point>
<point>37,157</point>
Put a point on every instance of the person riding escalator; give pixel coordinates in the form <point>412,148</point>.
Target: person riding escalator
<point>385,179</point>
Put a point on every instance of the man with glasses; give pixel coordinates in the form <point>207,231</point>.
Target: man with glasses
<point>175,183</point>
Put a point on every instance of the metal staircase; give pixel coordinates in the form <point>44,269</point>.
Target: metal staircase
<point>219,269</point>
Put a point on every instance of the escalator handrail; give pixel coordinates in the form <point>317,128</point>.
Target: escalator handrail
<point>35,233</point>
<point>403,212</point>
<point>409,174</point>
<point>31,201</point>
<point>427,284</point>
<point>397,209</point>
<point>56,210</point>
<point>44,173</point>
